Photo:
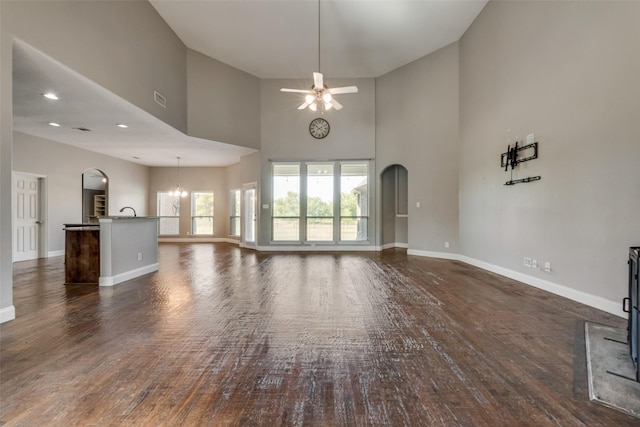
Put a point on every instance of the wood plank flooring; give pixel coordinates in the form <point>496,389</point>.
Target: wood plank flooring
<point>222,336</point>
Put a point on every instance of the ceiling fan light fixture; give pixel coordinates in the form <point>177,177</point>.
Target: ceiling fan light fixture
<point>320,94</point>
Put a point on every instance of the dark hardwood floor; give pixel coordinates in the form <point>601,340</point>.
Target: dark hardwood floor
<point>224,336</point>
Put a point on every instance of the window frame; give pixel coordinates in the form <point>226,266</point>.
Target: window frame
<point>368,202</point>
<point>161,217</point>
<point>193,218</point>
<point>337,215</point>
<point>301,206</point>
<point>235,198</point>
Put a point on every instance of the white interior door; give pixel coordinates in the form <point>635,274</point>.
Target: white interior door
<point>26,217</point>
<point>249,216</point>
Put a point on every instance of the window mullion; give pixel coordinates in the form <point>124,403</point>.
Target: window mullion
<point>303,202</point>
<point>337,173</point>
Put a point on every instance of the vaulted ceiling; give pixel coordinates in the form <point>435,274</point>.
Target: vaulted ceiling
<point>266,38</point>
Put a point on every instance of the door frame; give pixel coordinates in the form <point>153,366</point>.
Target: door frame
<point>243,211</point>
<point>42,214</point>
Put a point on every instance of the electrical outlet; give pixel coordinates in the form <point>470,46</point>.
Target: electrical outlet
<point>534,263</point>
<point>139,256</point>
<point>547,266</point>
<point>527,262</point>
<point>446,244</point>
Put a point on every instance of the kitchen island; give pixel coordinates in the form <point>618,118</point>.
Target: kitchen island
<point>128,248</point>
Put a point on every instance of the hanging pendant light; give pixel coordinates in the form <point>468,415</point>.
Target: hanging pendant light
<point>178,191</point>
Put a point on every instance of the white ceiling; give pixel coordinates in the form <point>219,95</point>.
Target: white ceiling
<point>279,38</point>
<point>84,104</point>
<point>266,38</point>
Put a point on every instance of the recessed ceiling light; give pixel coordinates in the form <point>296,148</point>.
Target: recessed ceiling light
<point>54,124</point>
<point>122,125</point>
<point>50,95</point>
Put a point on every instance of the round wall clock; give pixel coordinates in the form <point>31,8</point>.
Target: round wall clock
<point>319,128</point>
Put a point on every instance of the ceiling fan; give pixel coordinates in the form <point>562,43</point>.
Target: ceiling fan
<point>320,94</point>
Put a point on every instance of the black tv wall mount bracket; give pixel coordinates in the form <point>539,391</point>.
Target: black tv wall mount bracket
<point>519,154</point>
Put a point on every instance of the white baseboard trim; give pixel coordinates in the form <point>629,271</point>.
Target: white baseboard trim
<point>7,314</point>
<point>127,275</point>
<point>594,301</point>
<point>319,248</point>
<point>442,255</point>
<point>196,240</point>
<point>395,245</point>
<point>51,254</point>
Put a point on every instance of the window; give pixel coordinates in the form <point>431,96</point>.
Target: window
<point>354,201</point>
<point>168,208</point>
<point>320,201</point>
<point>202,213</point>
<point>235,206</point>
<point>286,201</point>
<point>333,196</point>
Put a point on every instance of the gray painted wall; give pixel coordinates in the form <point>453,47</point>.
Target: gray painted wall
<point>568,72</point>
<point>285,134</point>
<point>193,179</point>
<point>124,46</point>
<point>417,119</point>
<point>244,172</point>
<point>7,311</point>
<point>223,102</point>
<point>63,166</point>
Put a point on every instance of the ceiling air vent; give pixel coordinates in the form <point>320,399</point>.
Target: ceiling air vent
<point>160,99</point>
<point>82,129</point>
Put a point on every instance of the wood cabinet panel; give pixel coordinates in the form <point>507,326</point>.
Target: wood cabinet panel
<point>82,255</point>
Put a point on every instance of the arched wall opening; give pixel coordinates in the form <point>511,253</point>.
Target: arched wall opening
<point>394,221</point>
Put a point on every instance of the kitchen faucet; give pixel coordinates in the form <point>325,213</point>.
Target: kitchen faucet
<point>129,207</point>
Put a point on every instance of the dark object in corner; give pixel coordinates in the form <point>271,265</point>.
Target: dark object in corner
<point>630,305</point>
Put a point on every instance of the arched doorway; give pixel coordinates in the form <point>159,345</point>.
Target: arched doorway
<point>395,202</point>
<point>95,195</point>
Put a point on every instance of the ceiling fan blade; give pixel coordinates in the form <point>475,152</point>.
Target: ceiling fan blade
<point>284,89</point>
<point>336,105</point>
<point>346,89</point>
<point>303,105</point>
<point>318,82</point>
